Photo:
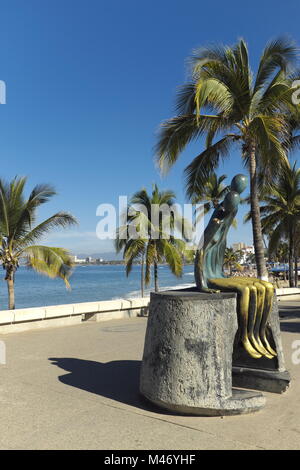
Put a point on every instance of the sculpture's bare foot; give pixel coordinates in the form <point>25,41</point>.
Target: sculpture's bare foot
<point>210,291</point>
<point>263,345</point>
<point>268,308</point>
<point>250,350</point>
<point>267,345</point>
<point>259,347</point>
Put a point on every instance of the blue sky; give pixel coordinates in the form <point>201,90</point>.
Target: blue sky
<point>88,83</point>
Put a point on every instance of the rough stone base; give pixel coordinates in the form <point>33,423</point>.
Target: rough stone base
<point>272,381</point>
<point>241,402</point>
<point>187,361</point>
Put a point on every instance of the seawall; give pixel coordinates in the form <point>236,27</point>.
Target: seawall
<point>13,321</point>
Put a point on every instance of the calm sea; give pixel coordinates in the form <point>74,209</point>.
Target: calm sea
<point>88,284</point>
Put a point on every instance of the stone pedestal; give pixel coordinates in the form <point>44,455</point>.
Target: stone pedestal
<point>187,361</point>
<point>269,375</point>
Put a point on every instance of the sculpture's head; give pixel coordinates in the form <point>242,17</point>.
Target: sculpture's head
<point>239,183</point>
<point>231,201</point>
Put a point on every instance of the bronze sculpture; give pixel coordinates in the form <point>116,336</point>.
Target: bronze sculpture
<point>254,296</point>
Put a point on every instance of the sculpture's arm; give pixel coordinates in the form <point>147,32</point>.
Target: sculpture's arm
<point>210,231</point>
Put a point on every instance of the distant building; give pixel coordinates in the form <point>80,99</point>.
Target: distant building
<point>238,246</point>
<point>78,260</point>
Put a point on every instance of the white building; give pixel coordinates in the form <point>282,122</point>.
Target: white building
<point>238,246</point>
<point>78,260</point>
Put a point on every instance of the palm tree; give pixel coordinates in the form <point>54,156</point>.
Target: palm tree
<point>281,255</point>
<point>225,102</point>
<point>18,235</point>
<point>281,213</point>
<point>296,252</point>
<point>212,192</point>
<point>231,259</point>
<point>282,251</point>
<point>152,243</point>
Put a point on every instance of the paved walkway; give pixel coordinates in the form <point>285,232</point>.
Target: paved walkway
<point>77,388</point>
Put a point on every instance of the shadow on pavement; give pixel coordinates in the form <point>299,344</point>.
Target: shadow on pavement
<point>117,380</point>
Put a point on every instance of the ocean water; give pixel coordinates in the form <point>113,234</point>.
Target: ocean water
<point>88,284</point>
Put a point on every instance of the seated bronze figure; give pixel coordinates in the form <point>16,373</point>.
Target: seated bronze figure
<point>254,297</point>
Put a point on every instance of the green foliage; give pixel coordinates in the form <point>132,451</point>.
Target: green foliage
<point>223,103</point>
<point>232,259</point>
<point>282,252</point>
<point>18,235</point>
<point>229,106</point>
<point>211,193</point>
<point>280,214</point>
<point>280,207</point>
<point>151,241</point>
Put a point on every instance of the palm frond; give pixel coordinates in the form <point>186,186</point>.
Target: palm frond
<point>177,132</point>
<point>50,261</point>
<point>173,257</point>
<point>278,54</point>
<point>185,99</point>
<point>58,220</point>
<point>198,171</point>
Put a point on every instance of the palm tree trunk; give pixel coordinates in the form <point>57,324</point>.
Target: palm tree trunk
<point>291,253</point>
<point>155,277</point>
<point>142,276</point>
<point>11,293</point>
<point>197,270</point>
<point>256,222</point>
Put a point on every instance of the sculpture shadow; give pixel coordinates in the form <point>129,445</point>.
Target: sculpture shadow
<point>117,380</point>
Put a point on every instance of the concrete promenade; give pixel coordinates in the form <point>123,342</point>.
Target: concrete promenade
<point>76,387</point>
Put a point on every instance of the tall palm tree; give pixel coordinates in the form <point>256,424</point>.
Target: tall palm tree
<point>19,234</point>
<point>153,243</point>
<point>229,104</point>
<point>280,212</point>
